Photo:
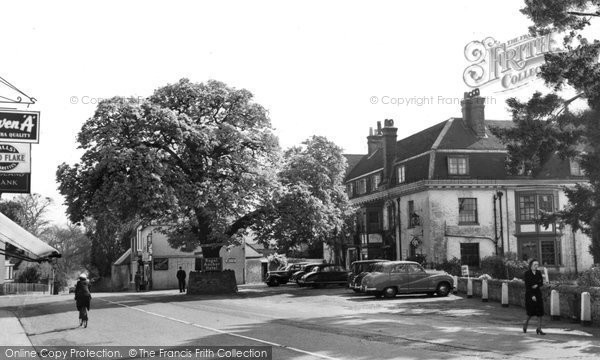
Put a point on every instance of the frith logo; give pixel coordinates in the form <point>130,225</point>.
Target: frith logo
<point>10,157</point>
<point>513,63</point>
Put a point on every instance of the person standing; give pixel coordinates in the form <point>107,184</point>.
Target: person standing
<point>181,278</point>
<point>533,295</point>
<point>138,280</point>
<point>83,298</point>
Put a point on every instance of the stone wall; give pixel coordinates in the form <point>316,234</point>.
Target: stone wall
<point>569,296</point>
<point>217,282</point>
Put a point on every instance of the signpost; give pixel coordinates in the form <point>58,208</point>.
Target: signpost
<point>212,264</point>
<point>464,270</point>
<point>15,168</point>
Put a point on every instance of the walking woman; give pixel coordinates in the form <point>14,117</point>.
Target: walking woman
<point>533,295</point>
<point>82,299</point>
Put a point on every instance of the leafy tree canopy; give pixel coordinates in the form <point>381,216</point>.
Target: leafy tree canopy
<point>311,206</point>
<point>197,156</point>
<point>545,126</point>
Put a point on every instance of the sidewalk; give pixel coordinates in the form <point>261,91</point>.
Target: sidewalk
<point>12,333</point>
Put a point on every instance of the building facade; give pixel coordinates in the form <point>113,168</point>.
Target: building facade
<point>444,192</point>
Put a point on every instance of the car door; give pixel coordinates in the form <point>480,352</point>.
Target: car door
<point>399,277</point>
<point>418,278</point>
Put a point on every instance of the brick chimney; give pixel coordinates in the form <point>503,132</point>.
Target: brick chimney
<point>473,112</point>
<point>390,134</point>
<point>375,141</point>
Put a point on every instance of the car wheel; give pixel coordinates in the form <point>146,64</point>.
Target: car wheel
<point>273,282</point>
<point>390,292</point>
<point>443,289</point>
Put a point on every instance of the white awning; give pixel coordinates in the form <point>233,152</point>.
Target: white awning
<point>13,234</point>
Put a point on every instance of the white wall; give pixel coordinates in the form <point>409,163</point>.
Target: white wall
<point>234,259</point>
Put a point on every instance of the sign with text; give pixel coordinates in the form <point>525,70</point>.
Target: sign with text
<point>464,270</point>
<point>20,126</point>
<point>15,168</point>
<point>212,264</point>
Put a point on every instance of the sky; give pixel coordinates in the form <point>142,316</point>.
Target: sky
<point>330,68</point>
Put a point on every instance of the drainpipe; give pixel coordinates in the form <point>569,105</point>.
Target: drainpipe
<point>399,240</point>
<point>495,225</point>
<point>500,193</point>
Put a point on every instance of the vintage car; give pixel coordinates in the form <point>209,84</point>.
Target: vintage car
<point>306,268</point>
<point>395,277</point>
<point>324,274</point>
<point>282,276</point>
<point>358,270</point>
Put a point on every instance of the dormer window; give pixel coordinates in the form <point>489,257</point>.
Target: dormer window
<point>458,165</point>
<point>401,174</point>
<point>362,186</point>
<point>375,180</point>
<point>576,169</point>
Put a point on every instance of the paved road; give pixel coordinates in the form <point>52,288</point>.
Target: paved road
<point>304,323</point>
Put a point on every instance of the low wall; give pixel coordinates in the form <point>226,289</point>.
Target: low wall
<point>569,296</point>
<point>217,282</point>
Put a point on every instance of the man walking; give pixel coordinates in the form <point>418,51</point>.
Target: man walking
<point>181,278</point>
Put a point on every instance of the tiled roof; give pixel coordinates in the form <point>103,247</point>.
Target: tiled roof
<point>418,143</point>
<point>458,136</point>
<point>352,160</point>
<point>367,164</point>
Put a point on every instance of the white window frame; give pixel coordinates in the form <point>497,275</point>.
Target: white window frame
<point>457,159</point>
<point>375,180</point>
<point>575,168</point>
<point>362,186</point>
<point>401,174</point>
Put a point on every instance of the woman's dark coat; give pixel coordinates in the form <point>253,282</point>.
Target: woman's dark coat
<point>83,295</point>
<point>534,308</point>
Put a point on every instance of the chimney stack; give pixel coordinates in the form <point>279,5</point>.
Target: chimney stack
<point>473,112</point>
<point>390,134</point>
<point>374,141</point>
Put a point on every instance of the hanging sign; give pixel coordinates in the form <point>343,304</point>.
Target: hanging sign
<point>15,168</point>
<point>20,126</point>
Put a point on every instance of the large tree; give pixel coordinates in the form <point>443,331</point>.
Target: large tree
<point>545,126</point>
<point>196,156</point>
<point>74,245</point>
<point>311,206</point>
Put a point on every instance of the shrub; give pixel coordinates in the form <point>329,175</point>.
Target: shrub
<point>420,258</point>
<point>507,267</point>
<point>30,274</point>
<point>451,266</point>
<point>589,277</point>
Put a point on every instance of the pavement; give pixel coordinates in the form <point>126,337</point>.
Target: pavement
<point>469,324</point>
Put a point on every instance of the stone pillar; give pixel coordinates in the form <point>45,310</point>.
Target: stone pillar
<point>554,305</point>
<point>504,294</point>
<point>484,290</point>
<point>455,289</point>
<point>469,288</point>
<point>586,309</point>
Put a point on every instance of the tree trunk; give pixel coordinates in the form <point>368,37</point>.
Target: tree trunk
<point>210,251</point>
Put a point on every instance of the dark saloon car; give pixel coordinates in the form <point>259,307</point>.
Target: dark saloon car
<point>395,277</point>
<point>306,268</point>
<point>282,276</point>
<point>358,270</point>
<point>324,274</point>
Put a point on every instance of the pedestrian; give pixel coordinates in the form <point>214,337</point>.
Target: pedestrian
<point>83,299</point>
<point>138,280</point>
<point>181,278</point>
<point>534,304</point>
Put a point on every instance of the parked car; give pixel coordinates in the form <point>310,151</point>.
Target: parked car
<point>358,270</point>
<point>306,268</point>
<point>395,277</point>
<point>324,274</point>
<point>282,276</point>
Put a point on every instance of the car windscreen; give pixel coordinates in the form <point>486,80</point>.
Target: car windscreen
<point>375,268</point>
